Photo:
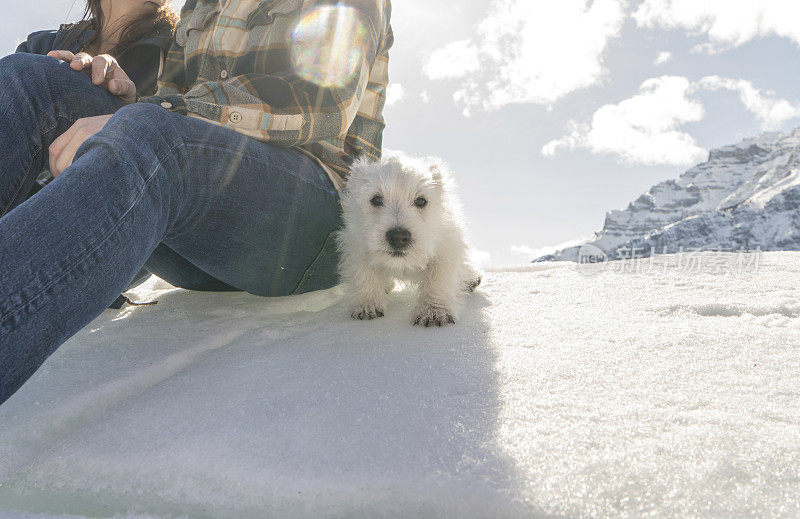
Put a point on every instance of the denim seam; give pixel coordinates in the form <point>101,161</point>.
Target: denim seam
<point>312,268</point>
<point>25,176</point>
<point>37,150</point>
<point>331,236</point>
<point>19,187</point>
<point>82,258</point>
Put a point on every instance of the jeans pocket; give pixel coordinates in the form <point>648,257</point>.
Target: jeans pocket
<point>323,273</point>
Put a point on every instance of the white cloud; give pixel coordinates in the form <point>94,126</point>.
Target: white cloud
<point>643,129</point>
<point>454,60</point>
<point>770,111</point>
<point>662,58</point>
<point>394,94</point>
<point>531,51</point>
<point>726,23</point>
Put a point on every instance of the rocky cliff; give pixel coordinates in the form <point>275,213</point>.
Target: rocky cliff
<point>746,197</point>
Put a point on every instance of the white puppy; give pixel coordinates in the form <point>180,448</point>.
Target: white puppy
<point>402,221</point>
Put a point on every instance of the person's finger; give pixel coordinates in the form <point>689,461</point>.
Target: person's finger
<point>124,88</point>
<point>117,81</point>
<point>80,61</point>
<point>56,148</point>
<point>59,149</point>
<point>67,153</point>
<point>63,55</point>
<point>64,159</point>
<point>100,66</point>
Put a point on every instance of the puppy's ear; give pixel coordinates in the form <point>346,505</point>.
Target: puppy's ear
<point>358,168</point>
<point>360,172</point>
<point>440,174</point>
<point>436,170</point>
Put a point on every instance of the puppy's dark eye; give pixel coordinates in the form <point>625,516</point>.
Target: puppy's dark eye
<point>377,201</point>
<point>420,202</point>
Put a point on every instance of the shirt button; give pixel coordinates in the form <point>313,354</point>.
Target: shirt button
<point>235,117</point>
<point>223,74</point>
<point>166,104</point>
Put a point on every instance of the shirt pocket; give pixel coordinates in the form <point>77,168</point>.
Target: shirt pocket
<point>191,26</point>
<point>266,12</point>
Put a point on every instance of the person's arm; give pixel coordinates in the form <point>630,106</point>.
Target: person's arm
<point>39,42</point>
<point>142,64</point>
<point>282,107</point>
<point>172,79</point>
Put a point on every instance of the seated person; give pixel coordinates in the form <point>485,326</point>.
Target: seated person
<point>136,32</point>
<point>235,165</point>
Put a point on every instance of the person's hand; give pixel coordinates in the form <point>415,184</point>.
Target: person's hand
<point>63,149</point>
<point>103,69</point>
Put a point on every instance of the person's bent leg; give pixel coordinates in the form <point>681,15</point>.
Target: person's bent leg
<point>69,251</point>
<point>264,216</point>
<point>177,270</point>
<point>257,217</point>
<point>40,98</point>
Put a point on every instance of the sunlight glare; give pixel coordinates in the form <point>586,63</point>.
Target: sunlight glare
<point>328,45</point>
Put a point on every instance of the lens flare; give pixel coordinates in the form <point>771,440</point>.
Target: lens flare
<point>328,45</point>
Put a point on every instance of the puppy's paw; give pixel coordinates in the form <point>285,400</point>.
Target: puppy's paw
<point>366,311</point>
<point>433,316</point>
<point>471,284</point>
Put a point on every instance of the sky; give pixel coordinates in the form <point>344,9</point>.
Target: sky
<point>552,113</point>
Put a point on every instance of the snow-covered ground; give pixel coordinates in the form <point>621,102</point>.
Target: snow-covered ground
<point>673,391</point>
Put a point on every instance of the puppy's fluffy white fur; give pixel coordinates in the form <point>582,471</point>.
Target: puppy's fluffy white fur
<point>435,260</point>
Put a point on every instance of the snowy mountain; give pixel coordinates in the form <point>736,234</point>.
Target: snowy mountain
<point>746,197</point>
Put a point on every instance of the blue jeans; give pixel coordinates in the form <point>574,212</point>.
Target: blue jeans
<point>201,206</point>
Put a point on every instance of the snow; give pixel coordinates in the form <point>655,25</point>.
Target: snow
<point>667,391</point>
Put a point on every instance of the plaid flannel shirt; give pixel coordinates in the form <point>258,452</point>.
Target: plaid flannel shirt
<point>251,66</point>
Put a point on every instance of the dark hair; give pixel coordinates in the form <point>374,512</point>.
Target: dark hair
<point>153,22</point>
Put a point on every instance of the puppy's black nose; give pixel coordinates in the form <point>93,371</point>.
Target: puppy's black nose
<point>398,238</point>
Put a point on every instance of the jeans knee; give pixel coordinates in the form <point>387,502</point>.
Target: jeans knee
<point>145,137</point>
<point>35,80</point>
<point>27,67</point>
<point>144,112</point>
<point>145,119</point>
<point>18,61</point>
<point>146,124</point>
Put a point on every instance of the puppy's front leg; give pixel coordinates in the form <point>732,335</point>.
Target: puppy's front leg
<point>367,293</point>
<point>440,294</point>
<point>472,278</point>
